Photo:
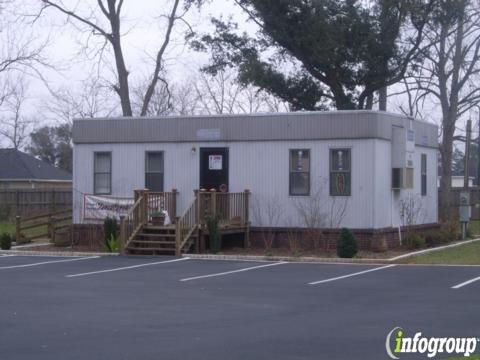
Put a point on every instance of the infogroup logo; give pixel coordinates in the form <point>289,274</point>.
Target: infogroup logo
<point>398,343</point>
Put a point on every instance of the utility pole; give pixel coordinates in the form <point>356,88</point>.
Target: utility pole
<point>465,195</point>
<point>467,154</point>
<point>478,149</point>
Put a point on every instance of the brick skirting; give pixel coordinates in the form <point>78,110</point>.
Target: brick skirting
<point>327,238</point>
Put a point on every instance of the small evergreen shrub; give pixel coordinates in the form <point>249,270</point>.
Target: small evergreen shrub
<point>214,234</point>
<point>5,241</point>
<point>109,230</point>
<point>347,244</point>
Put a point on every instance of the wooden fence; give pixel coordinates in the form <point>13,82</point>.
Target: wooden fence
<point>31,202</point>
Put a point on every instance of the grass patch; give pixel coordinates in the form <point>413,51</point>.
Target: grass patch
<point>474,227</point>
<point>7,228</point>
<point>468,254</point>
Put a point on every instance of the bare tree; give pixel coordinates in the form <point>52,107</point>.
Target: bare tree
<point>105,22</point>
<point>319,211</point>
<point>14,124</point>
<point>223,94</point>
<point>267,213</point>
<point>451,65</point>
<point>161,102</point>
<point>411,210</point>
<point>22,52</point>
<point>89,99</point>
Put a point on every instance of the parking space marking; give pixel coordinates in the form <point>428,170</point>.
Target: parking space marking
<point>350,275</point>
<point>233,271</point>
<point>465,283</point>
<point>47,262</point>
<point>126,267</point>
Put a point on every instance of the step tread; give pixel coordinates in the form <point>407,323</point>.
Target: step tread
<point>150,249</point>
<point>155,235</point>
<point>137,241</point>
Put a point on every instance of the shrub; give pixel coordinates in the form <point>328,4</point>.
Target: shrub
<point>451,229</point>
<point>347,244</point>
<point>5,241</point>
<point>109,230</point>
<point>214,235</point>
<point>414,241</point>
<point>113,244</point>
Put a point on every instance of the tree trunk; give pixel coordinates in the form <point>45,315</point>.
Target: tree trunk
<point>446,174</point>
<point>382,99</point>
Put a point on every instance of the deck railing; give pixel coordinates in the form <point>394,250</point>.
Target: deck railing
<point>135,219</point>
<point>185,225</point>
<point>231,209</point>
<point>163,201</point>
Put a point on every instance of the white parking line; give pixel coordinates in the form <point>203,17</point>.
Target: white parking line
<point>465,283</point>
<point>350,275</point>
<point>233,271</point>
<point>126,267</point>
<point>47,262</point>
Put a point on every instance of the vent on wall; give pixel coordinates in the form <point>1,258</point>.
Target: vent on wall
<point>402,178</point>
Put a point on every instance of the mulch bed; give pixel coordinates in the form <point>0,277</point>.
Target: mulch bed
<point>310,253</point>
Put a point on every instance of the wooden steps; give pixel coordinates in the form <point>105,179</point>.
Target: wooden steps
<point>154,240</point>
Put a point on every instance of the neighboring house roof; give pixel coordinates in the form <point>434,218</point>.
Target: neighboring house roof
<point>16,165</point>
<point>314,125</point>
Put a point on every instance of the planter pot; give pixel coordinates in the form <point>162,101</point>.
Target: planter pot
<point>158,220</point>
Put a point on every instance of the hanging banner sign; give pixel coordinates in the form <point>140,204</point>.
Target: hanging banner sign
<point>99,207</point>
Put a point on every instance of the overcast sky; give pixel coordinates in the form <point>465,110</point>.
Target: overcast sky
<point>143,26</point>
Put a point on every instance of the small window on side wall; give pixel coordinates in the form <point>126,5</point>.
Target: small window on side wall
<point>102,173</point>
<point>299,184</point>
<point>424,174</point>
<point>154,171</point>
<point>340,172</point>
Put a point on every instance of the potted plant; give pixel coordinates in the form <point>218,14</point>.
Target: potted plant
<point>158,218</point>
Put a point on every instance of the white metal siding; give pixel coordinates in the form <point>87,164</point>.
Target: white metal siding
<point>263,168</point>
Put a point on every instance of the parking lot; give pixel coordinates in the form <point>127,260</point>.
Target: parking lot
<point>179,308</point>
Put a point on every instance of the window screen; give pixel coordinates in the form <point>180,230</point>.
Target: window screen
<point>340,172</point>
<point>102,173</point>
<point>299,172</point>
<point>154,171</point>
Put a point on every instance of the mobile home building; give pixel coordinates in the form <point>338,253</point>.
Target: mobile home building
<point>355,169</point>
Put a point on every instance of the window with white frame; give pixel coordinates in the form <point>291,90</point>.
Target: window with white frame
<point>299,181</point>
<point>340,172</point>
<point>102,173</point>
<point>154,170</point>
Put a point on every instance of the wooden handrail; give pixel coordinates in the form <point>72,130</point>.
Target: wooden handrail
<point>134,220</point>
<point>185,226</point>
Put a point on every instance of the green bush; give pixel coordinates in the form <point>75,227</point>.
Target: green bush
<point>5,241</point>
<point>414,241</point>
<point>436,238</point>
<point>214,234</point>
<point>347,244</point>
<point>109,230</point>
<point>113,244</point>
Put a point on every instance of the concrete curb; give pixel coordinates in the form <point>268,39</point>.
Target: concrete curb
<point>393,260</point>
<point>54,253</point>
<point>286,258</point>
